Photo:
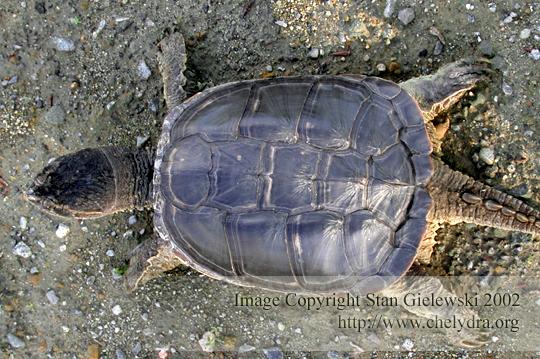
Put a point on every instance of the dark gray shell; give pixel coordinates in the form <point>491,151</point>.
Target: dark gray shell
<point>304,184</point>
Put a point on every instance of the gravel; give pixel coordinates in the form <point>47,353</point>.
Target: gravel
<point>62,230</point>
<point>141,140</point>
<point>21,249</point>
<point>244,348</point>
<point>143,70</point>
<point>15,341</point>
<point>136,349</point>
<point>487,155</point>
<point>438,49</point>
<point>55,115</point>
<point>132,220</point>
<point>314,53</point>
<point>389,8</point>
<point>116,310</point>
<point>23,223</point>
<point>63,44</point>
<point>408,344</point>
<point>273,353</point>
<point>52,297</point>
<point>208,342</point>
<point>406,16</point>
<point>524,34</point>
<point>507,89</point>
<point>486,48</point>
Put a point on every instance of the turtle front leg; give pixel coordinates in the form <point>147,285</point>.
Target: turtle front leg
<point>436,93</point>
<point>462,337</point>
<point>149,260</point>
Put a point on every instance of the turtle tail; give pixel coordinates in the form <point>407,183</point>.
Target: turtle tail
<point>460,198</point>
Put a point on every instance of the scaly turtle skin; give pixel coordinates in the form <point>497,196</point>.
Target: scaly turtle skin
<point>314,184</point>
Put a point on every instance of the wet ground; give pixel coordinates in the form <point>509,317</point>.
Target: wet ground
<point>83,73</point>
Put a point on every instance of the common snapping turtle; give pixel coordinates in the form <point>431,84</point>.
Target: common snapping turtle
<point>316,184</point>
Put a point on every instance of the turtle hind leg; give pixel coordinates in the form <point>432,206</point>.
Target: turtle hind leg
<point>149,260</point>
<point>436,93</point>
<point>172,63</point>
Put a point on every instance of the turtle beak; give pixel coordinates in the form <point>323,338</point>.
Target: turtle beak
<point>44,191</point>
<point>37,195</point>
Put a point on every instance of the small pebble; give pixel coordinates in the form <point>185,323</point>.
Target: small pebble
<point>374,338</point>
<point>21,249</point>
<point>406,16</point>
<point>63,44</point>
<point>55,115</point>
<point>389,8</point>
<point>268,68</point>
<point>244,348</point>
<point>487,155</point>
<point>141,140</point>
<point>143,70</point>
<point>507,89</point>
<point>408,344</point>
<point>116,310</point>
<point>438,49</point>
<point>273,353</point>
<point>492,7</point>
<point>153,105</point>
<point>110,253</point>
<point>39,6</point>
<point>524,34</point>
<point>132,220</point>
<point>136,349</point>
<point>62,230</point>
<point>52,297</point>
<point>12,80</point>
<point>208,342</point>
<point>281,326</point>
<point>535,54</point>
<point>15,341</point>
<point>313,53</point>
<point>509,18</point>
<point>332,355</point>
<point>120,354</point>
<point>381,67</point>
<point>99,28</point>
<point>93,351</point>
<point>486,48</point>
<point>281,23</point>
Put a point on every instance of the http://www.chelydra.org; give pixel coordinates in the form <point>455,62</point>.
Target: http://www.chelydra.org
<point>309,184</point>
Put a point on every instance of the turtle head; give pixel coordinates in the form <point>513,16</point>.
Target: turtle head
<point>80,185</point>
